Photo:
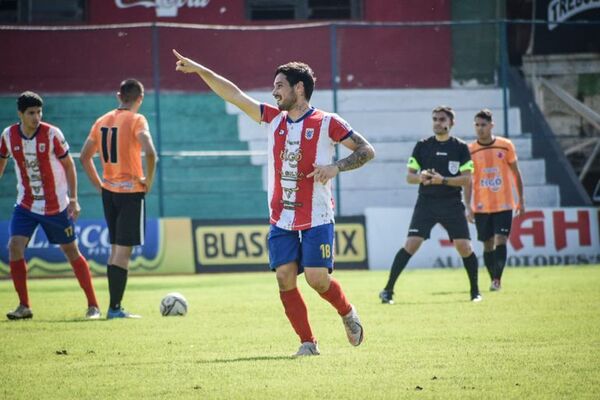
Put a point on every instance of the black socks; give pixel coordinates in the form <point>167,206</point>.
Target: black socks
<point>117,281</point>
<point>489,258</point>
<point>471,266</point>
<point>500,255</point>
<point>398,265</point>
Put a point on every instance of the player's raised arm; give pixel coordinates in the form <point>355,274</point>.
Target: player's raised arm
<point>223,87</point>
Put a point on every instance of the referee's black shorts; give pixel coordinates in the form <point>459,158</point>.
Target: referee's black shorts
<point>449,212</point>
<point>490,224</point>
<point>125,215</point>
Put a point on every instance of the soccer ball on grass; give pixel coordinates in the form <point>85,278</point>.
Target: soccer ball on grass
<point>173,304</point>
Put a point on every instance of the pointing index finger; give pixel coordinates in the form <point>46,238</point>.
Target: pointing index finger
<point>177,54</point>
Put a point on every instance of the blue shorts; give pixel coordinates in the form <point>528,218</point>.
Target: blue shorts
<point>59,228</point>
<point>311,247</point>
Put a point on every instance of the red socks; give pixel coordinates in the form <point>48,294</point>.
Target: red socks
<point>82,272</point>
<point>297,313</point>
<point>335,295</point>
<point>18,272</point>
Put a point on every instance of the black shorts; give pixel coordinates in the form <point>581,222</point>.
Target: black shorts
<point>450,213</point>
<point>490,224</point>
<point>125,215</point>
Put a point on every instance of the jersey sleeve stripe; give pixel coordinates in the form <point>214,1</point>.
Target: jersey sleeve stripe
<point>346,136</point>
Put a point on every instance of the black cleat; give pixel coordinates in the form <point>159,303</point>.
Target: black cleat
<point>476,297</point>
<point>386,296</point>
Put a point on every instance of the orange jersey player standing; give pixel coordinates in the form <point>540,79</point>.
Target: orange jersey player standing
<point>496,173</point>
<point>120,136</point>
<point>116,137</point>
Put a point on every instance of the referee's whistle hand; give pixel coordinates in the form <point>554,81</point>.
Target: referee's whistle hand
<point>425,177</point>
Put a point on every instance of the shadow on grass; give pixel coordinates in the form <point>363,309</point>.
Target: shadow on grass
<point>53,321</point>
<point>244,359</point>
<point>440,298</point>
<point>448,293</point>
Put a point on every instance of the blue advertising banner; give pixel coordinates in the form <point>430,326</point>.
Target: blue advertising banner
<point>45,259</point>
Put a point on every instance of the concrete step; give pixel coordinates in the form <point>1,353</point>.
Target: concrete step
<point>388,151</point>
<point>397,125</point>
<point>354,202</point>
<point>392,175</point>
<point>394,99</point>
<point>402,150</point>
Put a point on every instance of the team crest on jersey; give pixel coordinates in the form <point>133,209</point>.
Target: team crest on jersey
<point>42,147</point>
<point>16,148</point>
<point>500,154</point>
<point>309,133</point>
<point>453,167</point>
<point>281,132</point>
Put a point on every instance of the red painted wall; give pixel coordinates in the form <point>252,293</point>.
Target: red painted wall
<point>407,10</point>
<point>232,12</point>
<point>96,60</point>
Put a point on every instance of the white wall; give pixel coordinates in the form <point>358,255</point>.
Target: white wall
<point>539,233</point>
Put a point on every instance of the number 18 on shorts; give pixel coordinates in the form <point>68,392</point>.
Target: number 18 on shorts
<point>311,247</point>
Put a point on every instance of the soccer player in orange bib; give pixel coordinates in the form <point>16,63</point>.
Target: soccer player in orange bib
<point>120,136</point>
<point>496,171</point>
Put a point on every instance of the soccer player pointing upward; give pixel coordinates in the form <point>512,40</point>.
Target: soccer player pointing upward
<point>440,165</point>
<point>301,143</point>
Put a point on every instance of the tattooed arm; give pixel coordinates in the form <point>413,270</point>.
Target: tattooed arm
<point>362,151</point>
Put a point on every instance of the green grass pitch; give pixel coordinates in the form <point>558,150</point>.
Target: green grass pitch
<point>537,338</point>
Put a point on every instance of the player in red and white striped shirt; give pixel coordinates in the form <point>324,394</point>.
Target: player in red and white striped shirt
<point>302,142</point>
<point>46,196</point>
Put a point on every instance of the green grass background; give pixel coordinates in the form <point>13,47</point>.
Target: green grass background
<point>537,338</point>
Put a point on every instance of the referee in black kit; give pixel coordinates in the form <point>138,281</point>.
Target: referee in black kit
<point>441,165</point>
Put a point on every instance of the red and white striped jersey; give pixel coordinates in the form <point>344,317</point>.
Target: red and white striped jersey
<point>295,201</point>
<point>41,179</point>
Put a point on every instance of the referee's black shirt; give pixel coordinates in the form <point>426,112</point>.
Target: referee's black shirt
<point>446,158</point>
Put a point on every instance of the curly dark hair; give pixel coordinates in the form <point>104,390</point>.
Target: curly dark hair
<point>295,72</point>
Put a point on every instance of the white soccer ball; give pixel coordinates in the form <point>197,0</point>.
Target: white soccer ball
<point>173,304</point>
